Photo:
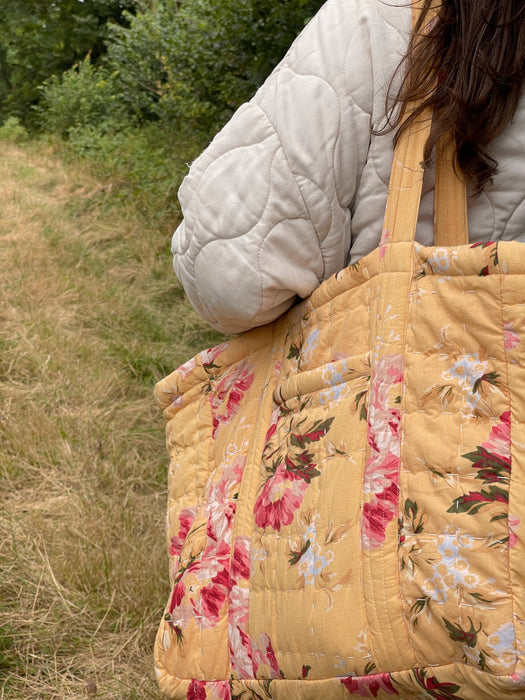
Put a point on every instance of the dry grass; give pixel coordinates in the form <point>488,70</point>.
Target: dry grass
<point>90,317</point>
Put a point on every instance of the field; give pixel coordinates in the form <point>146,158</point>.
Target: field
<point>91,316</point>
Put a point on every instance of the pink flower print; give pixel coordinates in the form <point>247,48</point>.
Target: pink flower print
<point>385,235</point>
<point>280,497</point>
<point>241,559</point>
<point>215,559</point>
<point>227,486</point>
<point>179,587</point>
<point>376,516</point>
<point>386,376</point>
<point>499,441</point>
<point>369,686</point>
<point>272,428</point>
<point>219,690</point>
<point>394,421</point>
<point>436,689</point>
<point>209,356</point>
<point>510,338</point>
<point>240,648</point>
<point>187,368</point>
<point>514,526</point>
<point>179,591</point>
<point>264,655</point>
<point>221,501</point>
<point>226,398</point>
<point>241,652</point>
<point>247,654</point>
<point>177,401</point>
<point>186,518</point>
<point>208,606</point>
<point>492,462</point>
<point>381,476</point>
<point>213,570</point>
<point>222,577</point>
<point>394,368</point>
<point>238,608</point>
<point>196,690</point>
<point>220,520</point>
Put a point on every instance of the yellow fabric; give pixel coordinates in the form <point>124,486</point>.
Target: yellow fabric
<point>450,202</point>
<point>347,484</point>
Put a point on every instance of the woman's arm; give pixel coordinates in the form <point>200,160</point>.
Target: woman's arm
<point>267,205</point>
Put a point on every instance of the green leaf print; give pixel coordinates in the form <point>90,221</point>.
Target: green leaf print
<point>294,353</point>
<point>435,689</point>
<point>296,556</point>
<point>419,607</point>
<point>458,634</point>
<point>314,434</point>
<point>360,403</point>
<point>490,378</point>
<point>472,502</point>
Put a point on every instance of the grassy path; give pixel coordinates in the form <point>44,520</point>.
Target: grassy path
<point>90,317</point>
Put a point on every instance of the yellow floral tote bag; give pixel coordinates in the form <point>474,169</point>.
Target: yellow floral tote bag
<point>347,484</point>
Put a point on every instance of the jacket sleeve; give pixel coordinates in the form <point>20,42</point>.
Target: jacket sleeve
<point>267,206</point>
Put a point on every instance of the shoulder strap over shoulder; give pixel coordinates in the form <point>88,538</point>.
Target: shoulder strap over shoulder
<point>404,193</point>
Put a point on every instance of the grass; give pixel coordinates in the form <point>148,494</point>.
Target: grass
<point>91,317</point>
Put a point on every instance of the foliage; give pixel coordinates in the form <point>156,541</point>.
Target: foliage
<point>173,74</point>
<point>12,130</point>
<point>136,55</point>
<point>42,39</point>
<point>185,63</point>
<point>148,165</point>
<point>188,65</point>
<point>191,65</point>
<point>84,95</point>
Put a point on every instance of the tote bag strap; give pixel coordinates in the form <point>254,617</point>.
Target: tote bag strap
<point>450,201</point>
<point>406,179</point>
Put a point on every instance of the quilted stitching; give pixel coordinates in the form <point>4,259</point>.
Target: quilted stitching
<point>313,118</point>
<point>355,529</point>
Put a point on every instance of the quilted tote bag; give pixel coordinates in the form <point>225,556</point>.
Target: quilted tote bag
<point>347,484</point>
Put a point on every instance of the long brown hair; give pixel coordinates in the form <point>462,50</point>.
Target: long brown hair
<point>468,65</point>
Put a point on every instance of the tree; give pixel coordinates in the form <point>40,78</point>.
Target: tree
<point>194,62</point>
<point>40,39</point>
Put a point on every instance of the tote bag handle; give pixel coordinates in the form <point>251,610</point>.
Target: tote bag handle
<point>406,179</point>
<point>450,201</point>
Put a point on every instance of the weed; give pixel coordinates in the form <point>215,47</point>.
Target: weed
<point>91,317</point>
<point>12,130</point>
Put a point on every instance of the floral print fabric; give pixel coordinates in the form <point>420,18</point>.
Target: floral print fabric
<point>346,491</point>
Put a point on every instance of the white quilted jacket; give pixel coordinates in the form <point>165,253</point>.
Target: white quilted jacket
<point>294,187</point>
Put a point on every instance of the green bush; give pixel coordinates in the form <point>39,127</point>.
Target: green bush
<point>187,65</point>
<point>173,74</point>
<point>83,96</point>
<point>190,65</point>
<point>148,166</point>
<point>40,39</point>
<point>12,130</point>
<point>137,57</point>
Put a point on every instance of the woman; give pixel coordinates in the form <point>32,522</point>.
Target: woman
<point>294,187</point>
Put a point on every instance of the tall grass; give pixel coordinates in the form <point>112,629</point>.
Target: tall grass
<point>90,317</point>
